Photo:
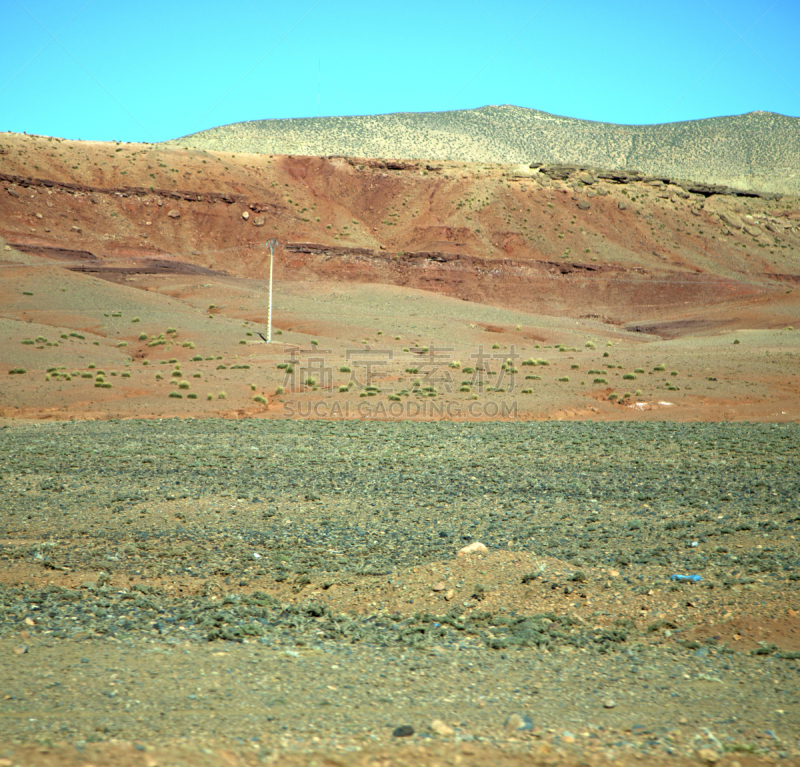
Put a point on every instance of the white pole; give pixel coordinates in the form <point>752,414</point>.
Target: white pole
<point>271,245</point>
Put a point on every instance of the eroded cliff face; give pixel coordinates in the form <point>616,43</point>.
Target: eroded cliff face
<point>556,239</point>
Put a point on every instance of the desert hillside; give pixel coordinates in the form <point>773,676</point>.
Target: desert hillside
<point>111,245</point>
<point>759,150</point>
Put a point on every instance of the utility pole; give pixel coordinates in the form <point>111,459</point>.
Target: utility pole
<point>271,244</point>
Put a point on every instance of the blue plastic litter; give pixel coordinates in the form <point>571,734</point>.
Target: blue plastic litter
<point>686,578</point>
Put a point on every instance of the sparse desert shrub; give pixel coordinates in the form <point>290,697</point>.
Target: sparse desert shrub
<point>183,385</point>
<point>659,368</point>
<point>197,375</point>
<point>225,367</point>
<point>177,374</point>
<point>736,340</point>
<point>527,391</point>
<point>564,379</point>
<point>605,354</point>
<point>142,336</point>
<point>600,381</point>
<point>171,330</point>
<point>495,346</point>
<point>629,377</point>
<point>261,400</point>
<point>17,371</point>
<point>191,395</point>
<point>468,370</point>
<point>197,358</point>
<point>135,319</point>
<point>222,395</point>
<point>242,341</point>
<point>28,342</point>
<point>673,372</point>
<point>344,369</point>
<point>574,366</point>
<point>343,389</point>
<point>465,389</point>
<point>120,344</point>
<point>175,395</point>
<point>590,345</point>
<point>209,396</point>
<point>455,364</point>
<point>126,374</point>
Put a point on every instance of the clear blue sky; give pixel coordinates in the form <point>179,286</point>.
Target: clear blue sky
<point>150,71</point>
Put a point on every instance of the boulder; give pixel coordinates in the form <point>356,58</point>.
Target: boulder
<point>260,221</point>
<point>174,214</point>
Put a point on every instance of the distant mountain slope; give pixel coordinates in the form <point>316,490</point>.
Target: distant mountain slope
<point>759,150</point>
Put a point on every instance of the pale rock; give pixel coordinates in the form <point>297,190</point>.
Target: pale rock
<point>245,214</point>
<point>260,221</point>
<point>174,214</point>
<point>440,586</point>
<point>473,548</point>
<point>708,755</point>
<point>449,595</point>
<point>441,728</point>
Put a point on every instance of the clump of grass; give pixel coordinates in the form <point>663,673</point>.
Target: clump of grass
<point>142,336</point>
<point>527,391</point>
<point>177,374</point>
<point>735,340</point>
<point>135,319</point>
<point>222,395</point>
<point>209,396</point>
<point>175,395</point>
<point>120,344</point>
<point>659,368</point>
<point>242,341</point>
<point>280,390</point>
<point>590,345</point>
<point>564,379</point>
<point>465,389</point>
<point>171,330</point>
<point>629,377</point>
<point>261,400</point>
<point>183,385</point>
<point>342,369</point>
<point>17,371</point>
<point>600,381</point>
<point>191,395</point>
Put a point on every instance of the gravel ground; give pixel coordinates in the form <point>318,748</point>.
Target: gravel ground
<point>283,587</point>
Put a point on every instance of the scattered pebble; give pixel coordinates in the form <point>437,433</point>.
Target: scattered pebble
<point>404,731</point>
<point>609,703</point>
<point>517,723</point>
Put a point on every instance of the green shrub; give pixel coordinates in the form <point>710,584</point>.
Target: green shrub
<point>171,330</point>
<point>209,396</point>
<point>465,389</point>
<point>280,390</point>
<point>344,369</point>
<point>564,379</point>
<point>135,319</point>
<point>222,395</point>
<point>142,336</point>
<point>527,391</point>
<point>177,374</point>
<point>191,395</point>
<point>261,400</point>
<point>659,368</point>
<point>639,370</point>
<point>629,377</point>
<point>183,385</point>
<point>176,395</point>
<point>600,381</point>
<point>17,371</point>
<point>242,341</point>
<point>342,389</point>
<point>590,345</point>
